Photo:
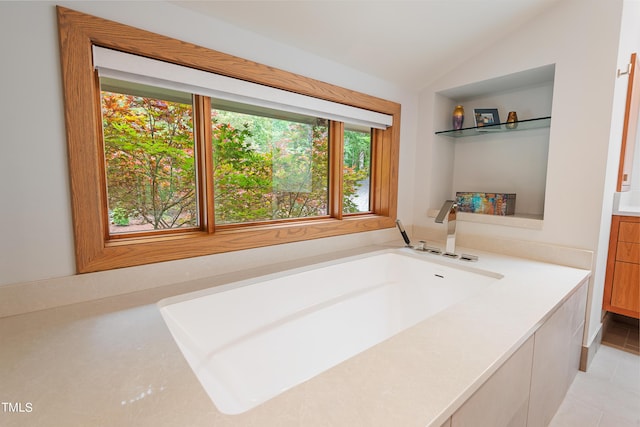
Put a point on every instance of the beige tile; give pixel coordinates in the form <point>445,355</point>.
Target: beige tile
<point>627,373</point>
<point>610,385</point>
<point>573,413</point>
<point>610,420</point>
<point>604,363</point>
<point>607,395</point>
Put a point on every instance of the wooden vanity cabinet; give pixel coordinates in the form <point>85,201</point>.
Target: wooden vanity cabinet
<point>622,281</point>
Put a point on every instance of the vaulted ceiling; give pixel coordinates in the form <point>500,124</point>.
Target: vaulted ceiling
<point>405,42</point>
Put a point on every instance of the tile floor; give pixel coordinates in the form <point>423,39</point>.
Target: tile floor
<point>621,332</point>
<point>608,394</point>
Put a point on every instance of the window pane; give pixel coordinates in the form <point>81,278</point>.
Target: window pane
<point>268,165</point>
<point>149,154</point>
<point>357,169</point>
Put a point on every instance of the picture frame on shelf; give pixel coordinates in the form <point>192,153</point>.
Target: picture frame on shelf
<point>486,119</point>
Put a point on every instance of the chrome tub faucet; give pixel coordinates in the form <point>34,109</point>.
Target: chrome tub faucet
<point>448,213</point>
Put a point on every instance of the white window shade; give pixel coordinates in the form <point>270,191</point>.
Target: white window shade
<point>124,66</point>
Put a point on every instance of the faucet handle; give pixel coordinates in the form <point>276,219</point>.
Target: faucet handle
<point>405,237</point>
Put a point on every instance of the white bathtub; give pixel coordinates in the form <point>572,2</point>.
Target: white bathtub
<point>250,341</point>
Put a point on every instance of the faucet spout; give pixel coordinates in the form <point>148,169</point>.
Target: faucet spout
<point>448,213</point>
<point>447,208</point>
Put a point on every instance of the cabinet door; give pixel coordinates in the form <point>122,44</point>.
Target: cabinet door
<point>503,399</point>
<point>550,361</point>
<point>626,286</point>
<point>556,358</point>
<point>628,252</point>
<point>622,281</point>
<point>629,231</point>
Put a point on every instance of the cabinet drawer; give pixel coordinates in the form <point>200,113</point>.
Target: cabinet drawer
<point>628,252</point>
<point>626,286</point>
<point>629,232</point>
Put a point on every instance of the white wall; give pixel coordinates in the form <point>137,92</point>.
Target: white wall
<point>629,43</point>
<point>37,236</point>
<point>581,37</point>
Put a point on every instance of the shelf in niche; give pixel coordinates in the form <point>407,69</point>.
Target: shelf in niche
<point>537,123</point>
<point>532,222</point>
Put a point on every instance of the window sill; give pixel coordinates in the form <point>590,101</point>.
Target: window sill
<point>119,253</point>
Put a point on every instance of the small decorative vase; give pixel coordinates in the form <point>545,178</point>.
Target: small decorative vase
<point>458,117</point>
<point>512,120</point>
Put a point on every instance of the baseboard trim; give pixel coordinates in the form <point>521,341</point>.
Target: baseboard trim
<point>587,353</point>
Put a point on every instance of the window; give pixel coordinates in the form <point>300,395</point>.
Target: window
<point>268,166</point>
<point>149,153</point>
<point>357,170</point>
<point>161,173</point>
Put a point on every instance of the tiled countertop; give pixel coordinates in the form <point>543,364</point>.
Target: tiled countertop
<point>113,362</point>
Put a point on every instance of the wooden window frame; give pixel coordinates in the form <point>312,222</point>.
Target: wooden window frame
<point>95,250</point>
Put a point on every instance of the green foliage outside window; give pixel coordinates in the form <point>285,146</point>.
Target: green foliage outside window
<point>264,168</point>
<point>268,169</point>
<point>149,154</point>
<point>357,170</point>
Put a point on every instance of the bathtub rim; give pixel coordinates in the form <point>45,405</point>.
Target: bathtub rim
<point>403,251</point>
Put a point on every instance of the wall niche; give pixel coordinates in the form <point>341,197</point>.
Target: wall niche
<point>500,158</point>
